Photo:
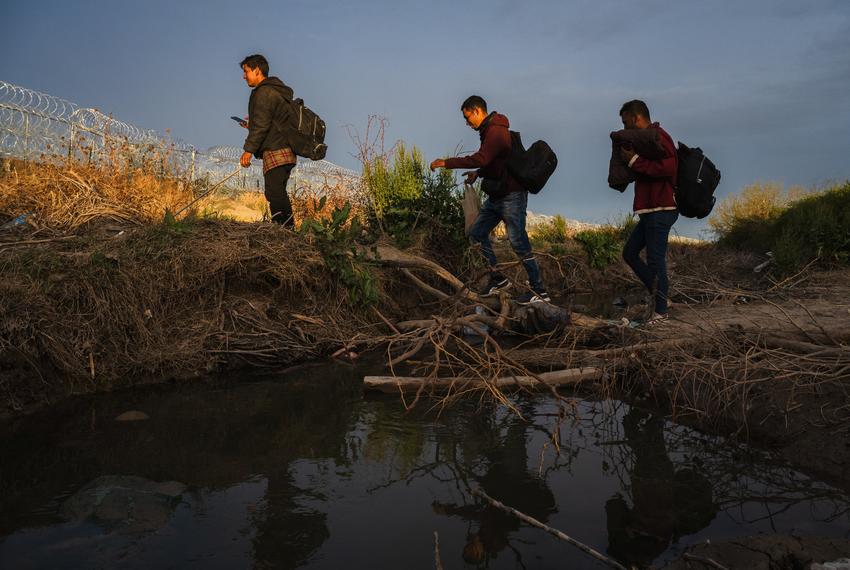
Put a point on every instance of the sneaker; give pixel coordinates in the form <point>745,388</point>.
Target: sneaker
<point>656,319</point>
<point>494,286</point>
<point>529,297</point>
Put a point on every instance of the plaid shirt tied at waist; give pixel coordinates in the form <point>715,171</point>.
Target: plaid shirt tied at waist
<point>275,158</point>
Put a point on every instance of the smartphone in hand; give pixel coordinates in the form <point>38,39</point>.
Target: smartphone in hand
<point>242,122</point>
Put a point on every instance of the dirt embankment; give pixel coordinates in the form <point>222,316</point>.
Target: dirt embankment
<point>123,304</point>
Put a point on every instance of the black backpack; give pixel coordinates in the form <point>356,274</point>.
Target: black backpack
<point>695,182</point>
<point>531,167</point>
<point>305,131</point>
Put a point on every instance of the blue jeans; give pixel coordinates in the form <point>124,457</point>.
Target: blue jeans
<point>652,232</point>
<point>510,209</point>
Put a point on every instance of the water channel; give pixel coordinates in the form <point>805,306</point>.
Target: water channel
<point>301,470</point>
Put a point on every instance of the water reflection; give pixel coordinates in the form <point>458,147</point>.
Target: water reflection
<point>303,472</point>
<point>505,473</point>
<point>667,503</point>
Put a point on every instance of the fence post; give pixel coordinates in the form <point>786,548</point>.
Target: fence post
<point>71,141</point>
<point>192,169</point>
<point>26,135</point>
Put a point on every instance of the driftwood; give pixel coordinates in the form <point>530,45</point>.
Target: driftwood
<point>804,347</point>
<point>391,257</point>
<point>457,323</point>
<point>558,378</point>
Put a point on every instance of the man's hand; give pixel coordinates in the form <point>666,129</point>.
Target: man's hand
<point>245,160</point>
<point>438,163</point>
<point>471,176</point>
<point>626,153</point>
<point>244,124</point>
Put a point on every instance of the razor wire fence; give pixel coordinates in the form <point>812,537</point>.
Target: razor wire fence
<point>36,125</point>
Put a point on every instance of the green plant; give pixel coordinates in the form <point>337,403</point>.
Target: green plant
<point>624,227</point>
<point>551,231</point>
<point>336,238</point>
<point>557,249</point>
<point>602,245</point>
<point>797,226</point>
<point>410,204</point>
<point>815,227</point>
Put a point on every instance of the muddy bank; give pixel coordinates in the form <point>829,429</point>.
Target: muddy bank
<point>768,552</point>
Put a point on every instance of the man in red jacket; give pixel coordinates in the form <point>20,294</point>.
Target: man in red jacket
<point>506,199</point>
<point>655,206</point>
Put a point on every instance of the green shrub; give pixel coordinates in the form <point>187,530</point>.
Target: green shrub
<point>336,239</point>
<point>798,228</point>
<point>395,183</point>
<point>603,245</point>
<point>408,203</point>
<point>816,227</point>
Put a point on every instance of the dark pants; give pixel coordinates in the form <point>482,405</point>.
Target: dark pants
<point>511,210</point>
<point>275,183</point>
<point>651,233</point>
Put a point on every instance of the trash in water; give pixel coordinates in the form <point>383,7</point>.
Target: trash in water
<point>469,331</point>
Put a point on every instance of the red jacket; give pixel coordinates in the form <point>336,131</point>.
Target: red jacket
<point>491,158</point>
<point>656,178</point>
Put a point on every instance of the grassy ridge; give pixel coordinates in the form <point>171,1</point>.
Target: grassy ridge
<point>799,228</point>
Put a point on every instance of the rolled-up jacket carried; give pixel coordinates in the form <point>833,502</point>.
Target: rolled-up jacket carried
<point>644,142</point>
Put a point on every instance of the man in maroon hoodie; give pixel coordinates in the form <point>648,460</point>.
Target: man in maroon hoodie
<point>506,199</point>
<point>655,206</point>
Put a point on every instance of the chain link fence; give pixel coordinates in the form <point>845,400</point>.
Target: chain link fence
<point>36,125</point>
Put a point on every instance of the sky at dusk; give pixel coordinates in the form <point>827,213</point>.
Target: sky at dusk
<point>762,86</point>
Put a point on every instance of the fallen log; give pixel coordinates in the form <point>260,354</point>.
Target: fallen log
<point>567,356</point>
<point>804,347</point>
<point>557,378</point>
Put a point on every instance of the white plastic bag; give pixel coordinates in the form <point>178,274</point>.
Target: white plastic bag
<point>471,204</point>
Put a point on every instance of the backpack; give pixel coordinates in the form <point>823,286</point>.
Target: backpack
<point>531,167</point>
<point>696,181</point>
<point>305,131</point>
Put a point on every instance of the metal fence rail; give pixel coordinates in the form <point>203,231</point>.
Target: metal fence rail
<point>34,124</point>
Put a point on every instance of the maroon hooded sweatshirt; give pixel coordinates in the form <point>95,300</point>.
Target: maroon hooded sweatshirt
<point>655,179</point>
<point>491,159</point>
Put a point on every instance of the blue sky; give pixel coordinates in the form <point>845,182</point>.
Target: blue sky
<point>762,86</point>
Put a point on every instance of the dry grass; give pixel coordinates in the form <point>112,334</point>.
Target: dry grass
<point>100,288</point>
<point>70,195</point>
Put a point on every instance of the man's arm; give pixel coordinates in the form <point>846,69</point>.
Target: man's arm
<point>260,121</point>
<point>661,168</point>
<point>495,143</point>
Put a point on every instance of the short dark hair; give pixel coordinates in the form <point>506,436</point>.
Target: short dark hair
<point>635,107</point>
<point>474,102</point>
<point>255,61</point>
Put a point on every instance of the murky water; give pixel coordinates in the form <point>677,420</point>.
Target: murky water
<point>302,471</point>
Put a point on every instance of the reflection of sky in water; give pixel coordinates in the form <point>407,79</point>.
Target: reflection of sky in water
<point>309,474</point>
